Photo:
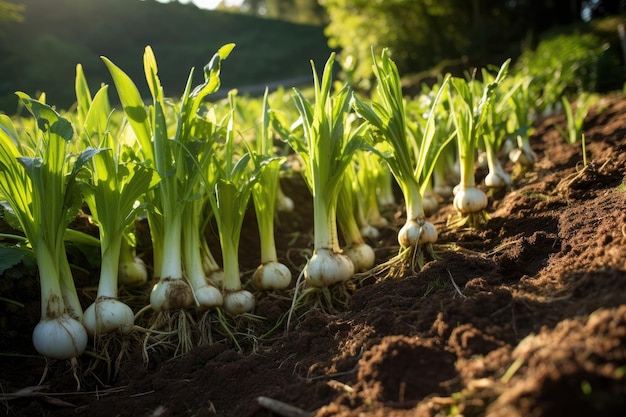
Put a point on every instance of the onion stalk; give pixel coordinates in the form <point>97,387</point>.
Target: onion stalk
<point>171,158</point>
<point>325,147</point>
<point>469,113</point>
<point>271,274</point>
<point>111,194</point>
<point>521,101</point>
<point>411,167</point>
<point>360,253</point>
<point>233,183</point>
<point>38,185</point>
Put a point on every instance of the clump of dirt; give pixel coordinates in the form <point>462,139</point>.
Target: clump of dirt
<point>526,317</point>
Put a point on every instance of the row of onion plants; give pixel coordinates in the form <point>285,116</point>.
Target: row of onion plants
<point>184,164</point>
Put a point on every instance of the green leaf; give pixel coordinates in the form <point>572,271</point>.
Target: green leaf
<point>9,257</point>
<point>48,120</point>
<point>134,108</point>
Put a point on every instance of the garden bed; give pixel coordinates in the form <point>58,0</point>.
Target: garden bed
<point>526,317</point>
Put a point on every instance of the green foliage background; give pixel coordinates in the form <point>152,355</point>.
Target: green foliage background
<point>41,53</point>
<point>425,37</point>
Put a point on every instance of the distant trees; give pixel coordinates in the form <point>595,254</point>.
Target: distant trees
<point>10,12</point>
<point>422,33</point>
<point>301,11</point>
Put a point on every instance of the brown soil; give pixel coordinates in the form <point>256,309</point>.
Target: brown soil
<point>526,317</point>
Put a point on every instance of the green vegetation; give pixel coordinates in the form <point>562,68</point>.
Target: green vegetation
<point>42,51</point>
<point>179,159</point>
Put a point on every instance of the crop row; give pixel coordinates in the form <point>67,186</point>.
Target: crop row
<point>184,163</point>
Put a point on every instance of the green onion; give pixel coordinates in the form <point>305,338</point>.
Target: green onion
<point>271,274</point>
<point>495,131</point>
<point>360,253</point>
<point>411,167</point>
<point>370,174</point>
<point>326,149</point>
<point>521,101</point>
<point>233,185</point>
<point>179,162</point>
<point>132,270</point>
<point>469,116</point>
<point>38,185</point>
<point>111,195</point>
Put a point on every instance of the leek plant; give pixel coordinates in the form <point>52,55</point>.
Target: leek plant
<point>111,193</point>
<point>469,113</point>
<point>325,145</point>
<point>271,274</point>
<point>38,184</point>
<point>411,167</point>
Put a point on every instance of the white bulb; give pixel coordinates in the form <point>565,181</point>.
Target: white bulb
<point>106,315</point>
<point>272,276</point>
<point>60,338</point>
<point>362,256</point>
<point>326,268</point>
<point>238,302</point>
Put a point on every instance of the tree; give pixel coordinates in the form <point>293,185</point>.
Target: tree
<point>301,11</point>
<point>423,33</point>
<point>10,12</point>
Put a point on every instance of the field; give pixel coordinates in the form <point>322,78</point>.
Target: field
<point>526,317</point>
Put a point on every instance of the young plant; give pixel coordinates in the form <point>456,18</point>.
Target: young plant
<point>111,193</point>
<point>171,159</point>
<point>360,253</point>
<point>521,101</point>
<point>575,116</point>
<point>494,133</point>
<point>411,167</point>
<point>233,185</point>
<point>38,185</point>
<point>326,149</point>
<point>469,112</point>
<point>271,274</point>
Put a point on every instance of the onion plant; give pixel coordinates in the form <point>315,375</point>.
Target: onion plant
<point>132,269</point>
<point>171,159</point>
<point>360,253</point>
<point>469,112</point>
<point>325,145</point>
<point>523,110</point>
<point>575,120</point>
<point>495,132</point>
<point>271,274</point>
<point>411,167</point>
<point>38,184</point>
<point>233,182</point>
<point>371,176</point>
<point>111,193</point>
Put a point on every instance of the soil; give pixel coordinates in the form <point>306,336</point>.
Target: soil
<point>524,317</point>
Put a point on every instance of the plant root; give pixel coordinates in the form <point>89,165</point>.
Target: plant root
<point>170,333</point>
<point>408,260</point>
<point>109,351</point>
<point>329,300</point>
<point>473,221</point>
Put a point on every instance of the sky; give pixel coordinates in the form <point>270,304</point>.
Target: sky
<point>210,4</point>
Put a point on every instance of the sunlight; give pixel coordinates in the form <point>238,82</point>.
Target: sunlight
<point>208,4</point>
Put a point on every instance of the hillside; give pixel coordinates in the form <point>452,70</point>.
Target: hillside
<point>40,54</point>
